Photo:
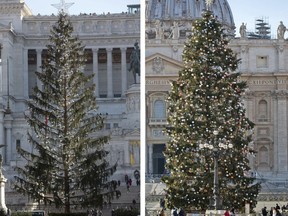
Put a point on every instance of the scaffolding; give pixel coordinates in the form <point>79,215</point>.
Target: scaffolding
<point>262,29</point>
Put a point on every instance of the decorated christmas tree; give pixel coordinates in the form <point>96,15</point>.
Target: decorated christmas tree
<point>208,126</point>
<point>67,165</point>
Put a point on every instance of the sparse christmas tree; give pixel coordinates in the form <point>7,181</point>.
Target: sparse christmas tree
<point>67,165</point>
<point>206,118</point>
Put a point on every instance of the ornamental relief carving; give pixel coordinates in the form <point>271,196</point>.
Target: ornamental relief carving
<point>88,26</point>
<point>158,65</point>
<point>280,94</point>
<point>133,104</point>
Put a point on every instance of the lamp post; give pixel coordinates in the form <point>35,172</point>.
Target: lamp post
<point>217,146</point>
<point>216,179</point>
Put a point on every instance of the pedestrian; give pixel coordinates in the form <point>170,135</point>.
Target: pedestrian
<point>181,212</point>
<point>273,211</point>
<point>232,212</point>
<point>264,211</point>
<point>227,213</point>
<point>278,213</point>
<point>174,212</point>
<point>128,186</point>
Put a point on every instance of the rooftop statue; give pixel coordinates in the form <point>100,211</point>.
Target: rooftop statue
<point>281,31</point>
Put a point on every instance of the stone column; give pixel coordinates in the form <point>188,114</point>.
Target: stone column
<point>123,70</point>
<point>244,57</point>
<point>109,74</point>
<point>8,125</point>
<point>25,73</point>
<point>39,63</point>
<point>127,154</point>
<point>282,130</point>
<point>281,59</point>
<point>95,71</point>
<point>2,140</point>
<point>274,152</point>
<point>150,160</point>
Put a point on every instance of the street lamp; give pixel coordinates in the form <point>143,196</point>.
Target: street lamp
<point>216,149</point>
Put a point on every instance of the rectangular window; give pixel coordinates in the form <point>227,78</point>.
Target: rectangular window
<point>262,62</point>
<point>107,126</point>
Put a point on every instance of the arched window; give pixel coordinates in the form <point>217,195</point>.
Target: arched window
<point>263,110</point>
<point>159,109</point>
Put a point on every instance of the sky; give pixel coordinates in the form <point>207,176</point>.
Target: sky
<point>80,6</point>
<point>248,11</point>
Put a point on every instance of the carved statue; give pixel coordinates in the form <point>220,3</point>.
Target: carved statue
<point>242,30</point>
<point>175,30</point>
<point>281,30</point>
<point>135,61</point>
<point>159,29</point>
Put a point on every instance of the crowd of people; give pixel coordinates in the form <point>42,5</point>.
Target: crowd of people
<point>275,211</point>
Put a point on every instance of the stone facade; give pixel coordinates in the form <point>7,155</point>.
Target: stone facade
<point>109,40</point>
<point>263,65</point>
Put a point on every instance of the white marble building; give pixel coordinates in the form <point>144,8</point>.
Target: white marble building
<point>109,40</point>
<point>264,66</point>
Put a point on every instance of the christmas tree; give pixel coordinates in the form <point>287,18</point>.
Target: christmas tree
<point>67,165</point>
<point>207,124</point>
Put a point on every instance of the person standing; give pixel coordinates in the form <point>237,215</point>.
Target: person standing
<point>227,213</point>
<point>264,211</point>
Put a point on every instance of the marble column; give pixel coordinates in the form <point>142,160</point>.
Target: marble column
<point>244,58</point>
<point>96,71</point>
<point>281,57</point>
<point>25,73</point>
<point>2,140</point>
<point>274,155</point>
<point>150,160</point>
<point>8,144</point>
<point>39,63</point>
<point>123,70</point>
<point>282,130</point>
<point>109,74</point>
<point>127,154</point>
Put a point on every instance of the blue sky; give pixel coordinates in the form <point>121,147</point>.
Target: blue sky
<point>80,6</point>
<point>248,11</point>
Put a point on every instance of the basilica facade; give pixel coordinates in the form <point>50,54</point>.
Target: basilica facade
<point>263,66</point>
<point>109,41</point>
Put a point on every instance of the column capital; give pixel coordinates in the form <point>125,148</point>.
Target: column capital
<point>39,51</point>
<point>95,50</point>
<point>123,49</point>
<point>109,49</point>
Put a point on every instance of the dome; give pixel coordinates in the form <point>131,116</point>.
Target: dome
<point>185,11</point>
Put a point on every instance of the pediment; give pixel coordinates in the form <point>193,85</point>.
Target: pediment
<point>133,133</point>
<point>159,64</point>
